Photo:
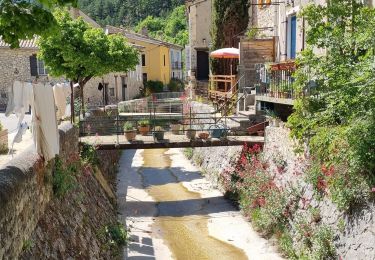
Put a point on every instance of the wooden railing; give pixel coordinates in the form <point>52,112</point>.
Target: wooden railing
<point>222,87</point>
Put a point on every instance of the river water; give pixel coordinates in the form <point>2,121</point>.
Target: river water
<point>173,213</point>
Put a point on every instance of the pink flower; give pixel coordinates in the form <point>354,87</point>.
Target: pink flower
<point>373,189</point>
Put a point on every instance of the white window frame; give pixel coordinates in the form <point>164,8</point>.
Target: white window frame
<point>42,71</point>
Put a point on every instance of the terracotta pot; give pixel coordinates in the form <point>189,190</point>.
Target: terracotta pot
<point>175,128</point>
<point>191,133</point>
<point>203,136</point>
<point>130,135</point>
<point>144,130</point>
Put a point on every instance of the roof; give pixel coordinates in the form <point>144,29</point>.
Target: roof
<point>24,44</point>
<point>140,37</point>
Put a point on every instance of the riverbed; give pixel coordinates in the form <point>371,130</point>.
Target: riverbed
<point>172,212</point>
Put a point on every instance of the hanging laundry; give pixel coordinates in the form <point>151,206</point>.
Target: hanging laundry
<point>18,137</point>
<point>20,98</point>
<point>61,93</point>
<point>44,122</point>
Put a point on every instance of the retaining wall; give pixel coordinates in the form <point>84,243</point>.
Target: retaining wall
<point>25,191</point>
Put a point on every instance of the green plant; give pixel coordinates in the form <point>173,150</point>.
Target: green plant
<point>189,152</point>
<point>144,123</point>
<point>128,126</point>
<point>341,225</point>
<point>271,113</point>
<point>252,33</point>
<point>114,236</point>
<point>63,178</point>
<point>285,242</point>
<point>159,129</point>
<point>337,119</point>
<point>176,85</point>
<point>152,86</point>
<point>88,154</point>
<point>27,245</point>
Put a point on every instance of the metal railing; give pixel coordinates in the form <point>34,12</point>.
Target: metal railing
<point>278,82</point>
<point>177,65</point>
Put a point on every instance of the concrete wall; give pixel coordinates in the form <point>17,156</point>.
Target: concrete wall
<point>25,192</point>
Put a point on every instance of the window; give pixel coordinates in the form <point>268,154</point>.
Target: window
<point>164,60</point>
<point>143,60</point>
<point>112,92</point>
<point>292,37</point>
<point>41,69</point>
<point>144,77</point>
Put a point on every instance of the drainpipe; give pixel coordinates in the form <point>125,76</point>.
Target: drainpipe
<point>276,30</point>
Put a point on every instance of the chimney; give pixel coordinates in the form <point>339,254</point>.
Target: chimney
<point>144,31</point>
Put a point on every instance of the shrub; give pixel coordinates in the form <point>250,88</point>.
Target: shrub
<point>189,152</point>
<point>63,178</point>
<point>88,154</point>
<point>152,86</point>
<point>114,236</point>
<point>176,85</point>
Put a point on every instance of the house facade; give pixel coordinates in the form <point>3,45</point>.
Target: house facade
<point>156,57</point>
<point>22,64</point>
<point>176,63</point>
<point>197,52</point>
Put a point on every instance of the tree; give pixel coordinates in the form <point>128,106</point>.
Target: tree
<point>172,28</point>
<point>79,52</point>
<point>23,19</point>
<point>337,119</point>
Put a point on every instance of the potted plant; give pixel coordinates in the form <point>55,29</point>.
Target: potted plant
<point>175,127</point>
<point>3,139</point>
<point>129,131</point>
<point>203,135</point>
<point>191,133</point>
<point>144,127</point>
<point>158,133</point>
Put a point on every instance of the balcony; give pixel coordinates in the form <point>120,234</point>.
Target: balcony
<point>177,65</point>
<point>276,83</point>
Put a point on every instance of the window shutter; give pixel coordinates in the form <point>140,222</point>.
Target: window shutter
<point>33,65</point>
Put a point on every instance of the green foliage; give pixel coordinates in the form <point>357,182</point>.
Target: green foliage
<point>88,154</point>
<point>27,245</point>
<point>144,122</point>
<point>338,119</point>
<point>171,28</point>
<point>314,242</point>
<point>80,52</point>
<point>189,152</point>
<point>114,236</point>
<point>63,178</point>
<point>176,85</point>
<point>126,12</point>
<point>153,86</point>
<point>128,126</point>
<point>24,19</point>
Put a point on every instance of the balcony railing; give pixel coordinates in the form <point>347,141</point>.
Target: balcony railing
<point>177,65</point>
<point>277,82</point>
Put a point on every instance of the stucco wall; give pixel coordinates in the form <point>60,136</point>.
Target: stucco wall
<point>25,191</point>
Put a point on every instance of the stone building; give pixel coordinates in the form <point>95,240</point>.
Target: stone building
<point>197,52</point>
<point>22,64</point>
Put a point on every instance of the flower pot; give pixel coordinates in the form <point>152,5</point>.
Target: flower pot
<point>203,136</point>
<point>260,133</point>
<point>130,135</point>
<point>158,136</point>
<point>144,130</point>
<point>4,141</point>
<point>175,128</point>
<point>191,133</point>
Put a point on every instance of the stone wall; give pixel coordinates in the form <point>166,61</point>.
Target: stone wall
<point>35,224</point>
<point>353,240</point>
<point>25,192</point>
